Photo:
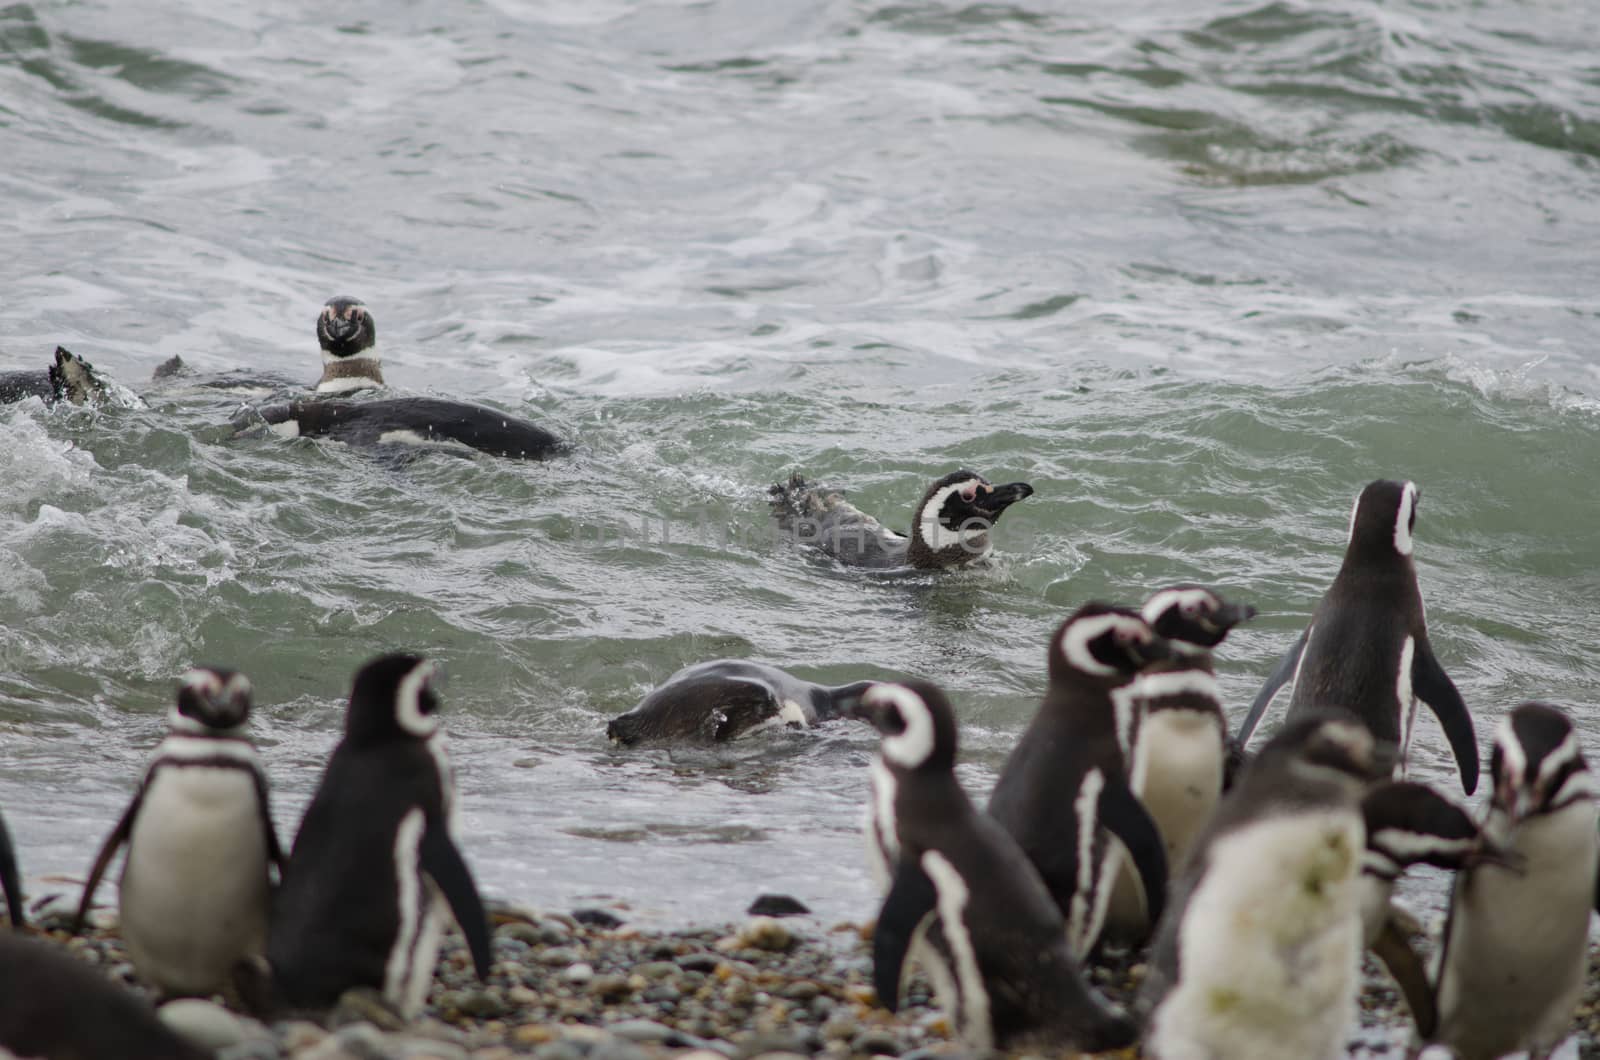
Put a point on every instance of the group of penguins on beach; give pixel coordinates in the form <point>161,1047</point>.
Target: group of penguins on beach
<point>1126,816</point>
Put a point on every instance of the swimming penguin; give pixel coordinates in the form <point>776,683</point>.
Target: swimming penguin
<point>348,338</point>
<point>1004,976</point>
<point>1515,949</point>
<point>1367,648</point>
<point>1259,954</point>
<point>360,903</point>
<point>412,421</point>
<point>11,879</point>
<point>1410,824</point>
<point>69,378</point>
<point>950,527</point>
<point>1063,794</point>
<point>1180,738</point>
<point>724,699</point>
<point>195,885</point>
<point>56,1006</point>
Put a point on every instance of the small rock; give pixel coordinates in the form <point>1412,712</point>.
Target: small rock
<point>406,1048</point>
<point>610,987</point>
<point>562,1050</point>
<point>300,1035</point>
<point>875,1041</point>
<point>597,918</point>
<point>764,933</point>
<point>478,1004</point>
<point>657,969</point>
<point>699,962</point>
<point>641,1030</point>
<point>611,1048</point>
<point>526,933</point>
<point>207,1024</point>
<point>578,974</point>
<point>364,1005</point>
<point>801,990</point>
<point>252,1049</point>
<point>561,955</point>
<point>777,905</point>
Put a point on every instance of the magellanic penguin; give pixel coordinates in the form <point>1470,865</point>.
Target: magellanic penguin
<point>1063,794</point>
<point>1367,648</point>
<point>1408,824</point>
<point>406,422</point>
<point>349,340</point>
<point>57,1006</point>
<point>1004,974</point>
<point>196,882</point>
<point>1514,953</point>
<point>724,699</point>
<point>1180,738</point>
<point>1259,954</point>
<point>950,527</point>
<point>360,901</point>
<point>69,378</point>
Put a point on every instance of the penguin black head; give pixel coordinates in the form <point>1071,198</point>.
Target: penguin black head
<point>345,328</point>
<point>1330,745</point>
<point>1384,516</point>
<point>1193,615</point>
<point>1537,762</point>
<point>1105,642</point>
<point>393,699</point>
<point>917,724</point>
<point>73,379</point>
<point>958,510</point>
<point>1409,823</point>
<point>211,698</point>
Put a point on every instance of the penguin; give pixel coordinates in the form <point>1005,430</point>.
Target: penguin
<point>950,527</point>
<point>1367,648</point>
<point>54,1005</point>
<point>1258,956</point>
<point>11,879</point>
<point>69,378</point>
<point>1063,793</point>
<point>1180,738</point>
<point>201,845</point>
<point>1004,974</point>
<point>361,903</point>
<point>411,421</point>
<point>1514,955</point>
<point>348,337</point>
<point>1411,824</point>
<point>724,699</point>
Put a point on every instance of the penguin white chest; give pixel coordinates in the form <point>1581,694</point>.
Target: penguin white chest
<point>1270,945</point>
<point>879,828</point>
<point>194,887</point>
<point>1178,775</point>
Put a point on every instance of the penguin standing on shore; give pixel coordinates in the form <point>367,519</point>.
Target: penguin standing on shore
<point>201,845</point>
<point>1259,954</point>
<point>1515,948</point>
<point>1063,794</point>
<point>1180,738</point>
<point>361,902</point>
<point>949,529</point>
<point>1004,974</point>
<point>1367,648</point>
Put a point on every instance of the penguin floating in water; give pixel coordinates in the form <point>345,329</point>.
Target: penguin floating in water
<point>348,337</point>
<point>1515,949</point>
<point>1004,973</point>
<point>69,378</point>
<point>195,885</point>
<point>407,422</point>
<point>362,900</point>
<point>950,527</point>
<point>712,702</point>
<point>1259,954</point>
<point>1180,738</point>
<point>1063,794</point>
<point>1367,648</point>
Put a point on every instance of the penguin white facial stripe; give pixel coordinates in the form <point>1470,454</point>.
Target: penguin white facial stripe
<point>408,890</point>
<point>1078,635</point>
<point>1402,519</point>
<point>934,533</point>
<point>1408,847</point>
<point>883,831</point>
<point>1166,599</point>
<point>1087,809</point>
<point>1178,683</point>
<point>1568,750</point>
<point>408,701</point>
<point>953,895</point>
<point>1404,697</point>
<point>1513,760</point>
<point>1578,787</point>
<point>179,722</point>
<point>912,746</point>
<point>202,682</point>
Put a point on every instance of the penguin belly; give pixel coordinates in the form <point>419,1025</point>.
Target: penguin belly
<point>1270,946</point>
<point>1177,774</point>
<point>194,889</point>
<point>1518,947</point>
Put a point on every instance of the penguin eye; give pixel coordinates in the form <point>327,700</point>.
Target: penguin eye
<point>969,493</point>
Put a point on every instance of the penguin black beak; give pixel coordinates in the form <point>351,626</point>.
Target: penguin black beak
<point>1231,615</point>
<point>1000,498</point>
<point>878,712</point>
<point>1154,650</point>
<point>340,329</point>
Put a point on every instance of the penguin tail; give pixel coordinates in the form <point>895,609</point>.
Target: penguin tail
<point>256,989</point>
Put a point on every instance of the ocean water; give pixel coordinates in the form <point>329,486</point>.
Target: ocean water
<point>1197,271</point>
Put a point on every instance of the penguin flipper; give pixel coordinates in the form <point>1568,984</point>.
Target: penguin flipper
<point>119,835</point>
<point>911,899</point>
<point>1280,676</point>
<point>1433,686</point>
<point>1394,950</point>
<point>10,879</point>
<point>443,864</point>
<point>1125,817</point>
<point>268,829</point>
